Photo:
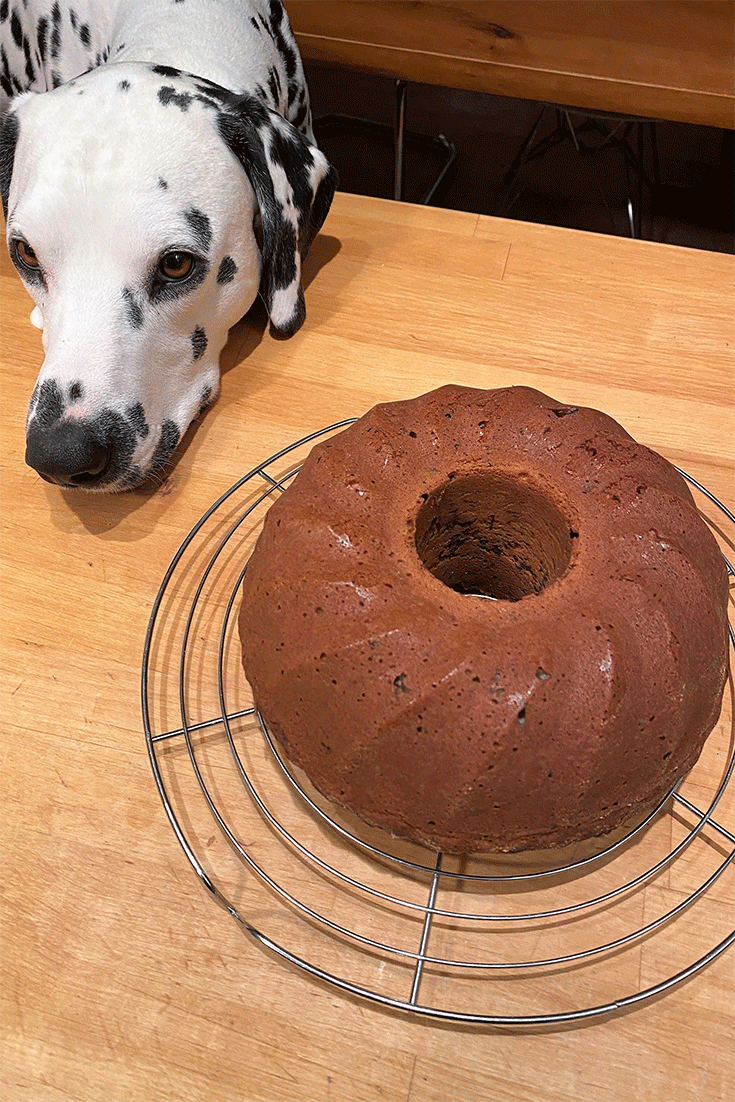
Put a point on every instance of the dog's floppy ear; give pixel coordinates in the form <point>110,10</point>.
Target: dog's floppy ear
<point>294,185</point>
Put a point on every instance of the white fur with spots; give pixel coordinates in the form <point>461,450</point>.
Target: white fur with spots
<point>191,132</point>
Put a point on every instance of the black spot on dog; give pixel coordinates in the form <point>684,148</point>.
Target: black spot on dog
<point>124,85</point>
<point>274,84</point>
<point>167,441</point>
<point>205,399</point>
<point>209,91</point>
<point>284,266</point>
<point>55,30</point>
<point>23,43</point>
<point>293,92</point>
<point>260,24</point>
<point>84,35</point>
<point>16,29</point>
<point>207,101</point>
<point>201,227</point>
<point>227,270</point>
<point>166,71</point>
<point>238,129</point>
<point>294,156</point>
<point>136,416</point>
<point>56,80</point>
<point>168,95</point>
<point>49,404</point>
<point>162,183</point>
<point>41,37</point>
<point>8,141</point>
<point>300,116</point>
<point>198,342</point>
<point>10,82</point>
<point>3,11</point>
<point>6,77</point>
<point>75,392</point>
<point>285,50</point>
<point>133,309</point>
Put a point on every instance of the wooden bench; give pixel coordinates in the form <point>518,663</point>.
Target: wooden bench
<point>651,59</point>
<point>665,59</point>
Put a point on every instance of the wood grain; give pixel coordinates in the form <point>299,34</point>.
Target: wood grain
<point>122,978</point>
<point>666,59</point>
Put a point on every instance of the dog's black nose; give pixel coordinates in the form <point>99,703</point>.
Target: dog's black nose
<point>67,453</point>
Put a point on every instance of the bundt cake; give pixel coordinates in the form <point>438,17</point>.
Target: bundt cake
<point>571,701</point>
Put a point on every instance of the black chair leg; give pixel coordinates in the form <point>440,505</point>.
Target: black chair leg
<point>399,127</point>
<point>618,133</point>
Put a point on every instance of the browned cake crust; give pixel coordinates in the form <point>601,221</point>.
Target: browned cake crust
<point>576,699</point>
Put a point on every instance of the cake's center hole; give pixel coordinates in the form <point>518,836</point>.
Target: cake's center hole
<point>492,535</point>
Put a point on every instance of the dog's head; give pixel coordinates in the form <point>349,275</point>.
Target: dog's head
<point>145,209</point>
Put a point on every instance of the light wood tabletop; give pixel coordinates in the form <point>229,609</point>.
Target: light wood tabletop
<point>122,978</point>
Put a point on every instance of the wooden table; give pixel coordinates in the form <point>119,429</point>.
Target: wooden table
<point>122,979</point>
<point>666,59</point>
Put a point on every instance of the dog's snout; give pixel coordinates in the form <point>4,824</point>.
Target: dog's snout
<point>67,453</point>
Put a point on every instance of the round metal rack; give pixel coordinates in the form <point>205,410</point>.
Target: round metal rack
<point>528,940</point>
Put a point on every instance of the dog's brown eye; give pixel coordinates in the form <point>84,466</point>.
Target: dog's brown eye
<point>25,255</point>
<point>176,265</point>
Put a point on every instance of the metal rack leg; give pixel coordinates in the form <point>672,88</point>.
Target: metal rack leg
<point>425,931</point>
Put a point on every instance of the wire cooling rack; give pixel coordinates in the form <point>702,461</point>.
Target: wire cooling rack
<point>524,940</point>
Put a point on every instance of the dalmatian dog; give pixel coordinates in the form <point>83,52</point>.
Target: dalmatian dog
<point>158,171</point>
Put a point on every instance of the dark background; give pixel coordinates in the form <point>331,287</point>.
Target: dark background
<point>693,207</point>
